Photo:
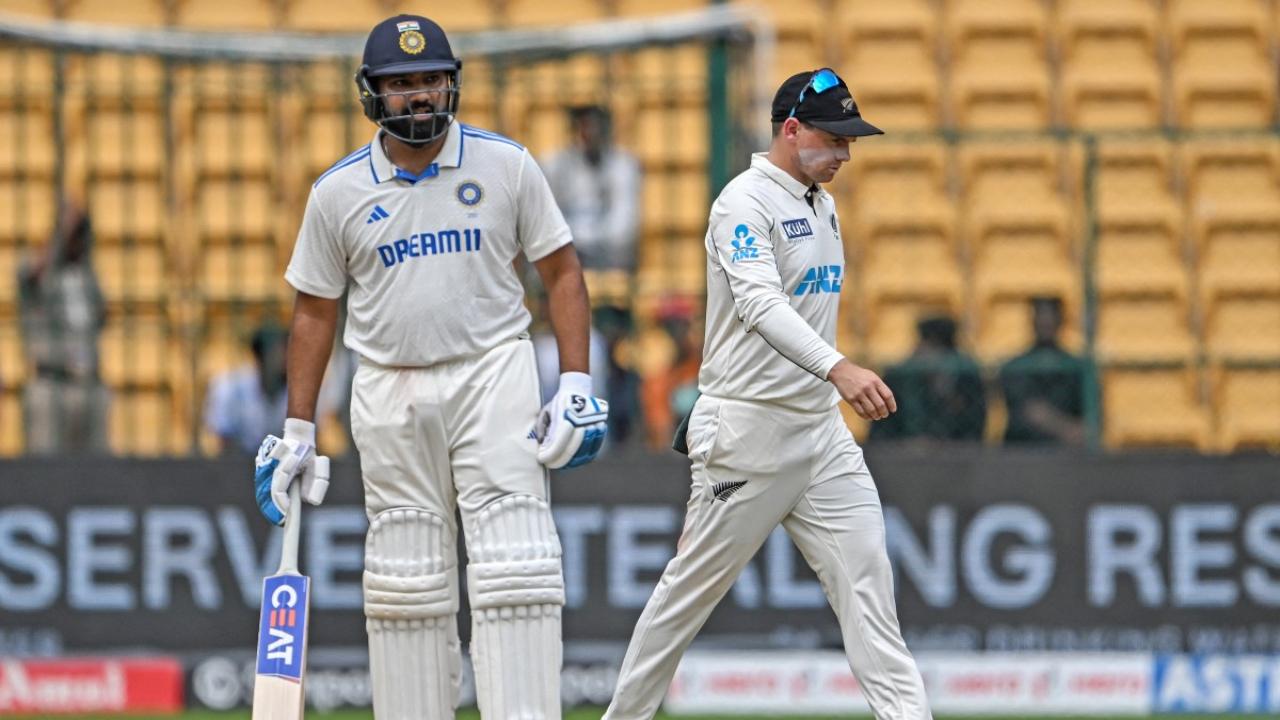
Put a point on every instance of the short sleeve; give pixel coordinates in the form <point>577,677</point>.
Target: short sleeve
<point>540,226</point>
<point>318,266</point>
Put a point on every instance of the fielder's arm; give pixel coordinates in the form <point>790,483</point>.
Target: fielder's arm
<point>568,306</point>
<point>315,320</point>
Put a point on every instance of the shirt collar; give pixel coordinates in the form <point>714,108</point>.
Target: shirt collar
<point>450,156</point>
<point>760,161</point>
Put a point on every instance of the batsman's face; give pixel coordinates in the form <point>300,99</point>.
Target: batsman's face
<point>819,153</point>
<point>418,94</point>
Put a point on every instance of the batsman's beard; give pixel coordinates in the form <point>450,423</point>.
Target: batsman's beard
<point>418,132</point>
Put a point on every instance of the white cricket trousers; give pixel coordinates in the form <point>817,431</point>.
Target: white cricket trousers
<point>754,466</point>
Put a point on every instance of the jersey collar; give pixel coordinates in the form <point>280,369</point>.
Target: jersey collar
<point>450,157</point>
<point>760,161</point>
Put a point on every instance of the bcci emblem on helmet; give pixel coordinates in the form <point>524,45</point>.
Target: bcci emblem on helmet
<point>412,42</point>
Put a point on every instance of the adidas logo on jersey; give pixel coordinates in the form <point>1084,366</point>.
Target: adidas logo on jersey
<point>377,214</point>
<point>724,490</point>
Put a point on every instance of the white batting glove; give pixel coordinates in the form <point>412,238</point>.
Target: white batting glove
<point>279,461</point>
<point>571,428</point>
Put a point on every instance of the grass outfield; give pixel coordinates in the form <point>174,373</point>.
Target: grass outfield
<point>594,714</point>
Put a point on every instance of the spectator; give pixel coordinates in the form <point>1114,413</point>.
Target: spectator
<point>62,313</point>
<point>670,394</point>
<point>623,384</point>
<point>597,186</point>
<point>938,388</point>
<point>247,403</point>
<point>1044,386</point>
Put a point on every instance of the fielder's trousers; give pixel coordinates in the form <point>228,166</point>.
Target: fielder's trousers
<point>754,466</point>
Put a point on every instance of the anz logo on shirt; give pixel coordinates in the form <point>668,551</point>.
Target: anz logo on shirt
<point>420,245</point>
<point>820,279</point>
<point>743,243</point>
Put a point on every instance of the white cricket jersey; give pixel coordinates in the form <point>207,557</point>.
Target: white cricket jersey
<point>768,248</point>
<point>428,259</point>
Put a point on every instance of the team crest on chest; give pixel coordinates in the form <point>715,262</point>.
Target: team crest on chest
<point>469,193</point>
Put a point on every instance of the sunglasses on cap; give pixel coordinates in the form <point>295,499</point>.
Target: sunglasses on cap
<point>821,81</point>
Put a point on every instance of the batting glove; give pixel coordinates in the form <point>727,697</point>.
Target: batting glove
<point>280,460</point>
<point>571,428</point>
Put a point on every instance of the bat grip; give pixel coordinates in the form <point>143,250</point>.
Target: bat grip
<point>292,528</point>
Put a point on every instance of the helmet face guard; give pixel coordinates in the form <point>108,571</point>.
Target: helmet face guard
<point>404,127</point>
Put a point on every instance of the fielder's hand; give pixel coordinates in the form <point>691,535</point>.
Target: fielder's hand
<point>865,392</point>
<point>279,461</point>
<point>571,428</point>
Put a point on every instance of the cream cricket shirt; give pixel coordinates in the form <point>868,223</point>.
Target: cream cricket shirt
<point>428,259</point>
<point>769,255</point>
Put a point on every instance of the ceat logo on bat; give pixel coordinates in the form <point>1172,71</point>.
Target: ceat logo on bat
<point>282,629</point>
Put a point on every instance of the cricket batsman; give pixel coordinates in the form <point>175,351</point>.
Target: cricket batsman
<point>420,228</point>
<point>766,439</point>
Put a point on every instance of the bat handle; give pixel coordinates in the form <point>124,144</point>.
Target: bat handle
<point>292,528</point>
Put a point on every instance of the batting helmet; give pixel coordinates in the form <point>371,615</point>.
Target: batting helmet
<point>407,44</point>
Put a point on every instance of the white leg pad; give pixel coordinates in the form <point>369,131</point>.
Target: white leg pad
<point>516,589</point>
<point>411,609</point>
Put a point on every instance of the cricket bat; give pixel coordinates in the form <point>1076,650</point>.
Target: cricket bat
<point>282,623</point>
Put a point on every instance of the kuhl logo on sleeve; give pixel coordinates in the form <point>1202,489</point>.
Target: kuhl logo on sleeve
<point>796,229</point>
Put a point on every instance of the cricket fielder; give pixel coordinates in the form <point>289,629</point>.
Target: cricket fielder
<point>766,439</point>
<point>420,228</point>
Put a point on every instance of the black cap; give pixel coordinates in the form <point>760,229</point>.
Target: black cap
<point>405,44</point>
<point>833,110</point>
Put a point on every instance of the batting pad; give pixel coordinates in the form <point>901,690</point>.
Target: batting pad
<point>410,606</point>
<point>516,590</point>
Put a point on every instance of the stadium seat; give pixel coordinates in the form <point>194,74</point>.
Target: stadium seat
<point>803,29</point>
<point>27,211</point>
<point>328,136</point>
<point>535,13</point>
<point>897,189</point>
<point>351,16</point>
<point>1231,185</point>
<point>1111,76</point>
<point>12,440</point>
<point>226,14</point>
<point>891,327</point>
<point>1134,187</point>
<point>116,82</point>
<point>27,144</point>
<point>10,256</point>
<point>132,273</point>
<point>242,274</point>
<point>1140,262</point>
<point>891,62</point>
<point>26,79</point>
<point>675,137</point>
<point>1153,407</point>
<point>121,143</point>
<point>147,423</point>
<point>138,13</point>
<point>675,202</point>
<point>1247,407</point>
<point>1243,328</point>
<point>31,8</point>
<point>1223,75</point>
<point>137,351</point>
<point>920,271</point>
<point>454,17</point>
<point>234,143</point>
<point>125,211</point>
<point>1144,329</point>
<point>236,211</point>
<point>13,358</point>
<point>998,61</point>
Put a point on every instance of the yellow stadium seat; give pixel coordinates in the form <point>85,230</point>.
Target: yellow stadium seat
<point>226,14</point>
<point>13,358</point>
<point>891,62</point>
<point>1223,74</point>
<point>353,16</point>
<point>1144,329</point>
<point>30,8</point>
<point>1232,185</point>
<point>891,327</point>
<point>124,211</point>
<point>1247,406</point>
<point>675,203</point>
<point>1111,76</point>
<point>454,17</point>
<point>535,13</point>
<point>898,190</point>
<point>1244,328</point>
<point>1244,263</point>
<point>26,79</point>
<point>673,137</point>
<point>999,67</point>
<point>116,82</point>
<point>1140,262</point>
<point>9,259</point>
<point>137,352</point>
<point>27,211</point>
<point>1014,190</point>
<point>26,144</point>
<point>242,273</point>
<point>330,135</point>
<point>1134,188</point>
<point>920,271</point>
<point>12,438</point>
<point>123,143</point>
<point>147,423</point>
<point>236,212</point>
<point>1153,407</point>
<point>141,13</point>
<point>132,273</point>
<point>234,143</point>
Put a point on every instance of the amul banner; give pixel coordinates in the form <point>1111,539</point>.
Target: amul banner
<point>993,550</point>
